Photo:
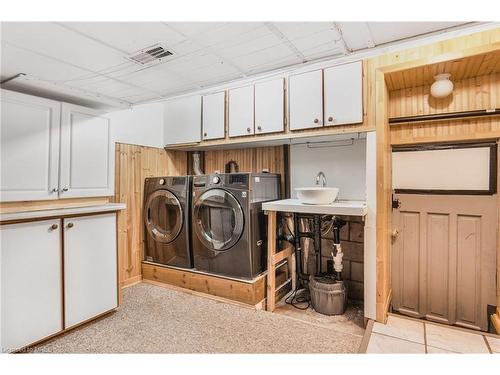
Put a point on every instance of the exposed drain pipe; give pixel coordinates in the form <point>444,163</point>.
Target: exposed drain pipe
<point>196,163</point>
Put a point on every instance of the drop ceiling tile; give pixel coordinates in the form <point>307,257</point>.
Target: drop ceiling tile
<point>15,60</point>
<point>384,32</point>
<point>264,57</point>
<point>195,28</point>
<point>294,30</point>
<point>228,33</point>
<point>249,48</point>
<point>356,35</point>
<point>213,73</point>
<point>186,64</point>
<point>330,36</point>
<point>129,36</point>
<point>49,39</point>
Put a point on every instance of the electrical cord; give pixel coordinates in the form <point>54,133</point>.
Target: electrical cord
<point>294,300</point>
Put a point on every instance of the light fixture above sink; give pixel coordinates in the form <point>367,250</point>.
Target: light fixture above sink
<point>317,195</point>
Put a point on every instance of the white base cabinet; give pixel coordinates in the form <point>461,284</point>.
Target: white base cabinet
<point>35,255</point>
<point>90,267</point>
<point>31,283</point>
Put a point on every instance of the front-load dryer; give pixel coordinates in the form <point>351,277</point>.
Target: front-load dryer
<point>167,205</point>
<point>228,224</point>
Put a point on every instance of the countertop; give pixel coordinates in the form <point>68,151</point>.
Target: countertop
<point>68,211</point>
<point>350,208</point>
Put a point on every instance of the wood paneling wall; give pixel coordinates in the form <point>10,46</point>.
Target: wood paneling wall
<point>473,93</point>
<point>132,165</point>
<point>249,160</point>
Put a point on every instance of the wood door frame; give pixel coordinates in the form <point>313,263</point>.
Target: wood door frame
<point>378,102</point>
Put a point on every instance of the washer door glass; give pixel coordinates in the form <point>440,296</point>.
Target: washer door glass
<point>163,216</point>
<point>218,219</point>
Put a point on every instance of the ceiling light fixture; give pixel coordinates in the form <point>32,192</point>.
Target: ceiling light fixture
<point>442,86</point>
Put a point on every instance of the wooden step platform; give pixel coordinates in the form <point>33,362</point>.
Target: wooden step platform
<point>252,292</point>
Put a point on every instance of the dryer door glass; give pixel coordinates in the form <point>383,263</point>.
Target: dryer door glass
<point>218,219</point>
<point>163,216</point>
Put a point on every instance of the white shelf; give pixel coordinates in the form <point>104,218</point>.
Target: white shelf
<point>349,208</point>
<point>26,215</point>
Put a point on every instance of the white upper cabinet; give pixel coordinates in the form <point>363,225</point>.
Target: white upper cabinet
<point>87,153</point>
<point>343,85</point>
<point>241,111</point>
<point>182,120</point>
<point>306,100</point>
<point>213,115</point>
<point>269,106</point>
<point>29,147</point>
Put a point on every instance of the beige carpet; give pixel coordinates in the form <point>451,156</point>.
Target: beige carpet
<point>157,320</point>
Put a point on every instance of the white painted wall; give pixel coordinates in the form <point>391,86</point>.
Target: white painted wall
<point>344,167</point>
<point>139,125</point>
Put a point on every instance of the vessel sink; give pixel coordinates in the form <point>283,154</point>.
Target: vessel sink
<point>317,195</point>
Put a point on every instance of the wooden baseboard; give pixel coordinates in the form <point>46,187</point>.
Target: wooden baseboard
<point>250,293</point>
<point>131,281</point>
<point>495,320</point>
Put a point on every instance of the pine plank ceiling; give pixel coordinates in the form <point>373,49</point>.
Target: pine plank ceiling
<point>88,61</point>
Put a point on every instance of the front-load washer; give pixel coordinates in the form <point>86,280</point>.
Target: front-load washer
<point>167,206</point>
<point>228,224</point>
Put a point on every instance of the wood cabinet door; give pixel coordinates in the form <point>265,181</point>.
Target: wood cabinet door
<point>241,111</point>
<point>182,120</point>
<point>90,267</point>
<point>29,144</point>
<point>269,106</point>
<point>306,100</point>
<point>87,153</point>
<point>214,116</point>
<point>343,86</point>
<point>444,258</point>
<point>31,282</point>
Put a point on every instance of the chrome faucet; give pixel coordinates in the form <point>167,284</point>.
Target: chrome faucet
<point>323,178</point>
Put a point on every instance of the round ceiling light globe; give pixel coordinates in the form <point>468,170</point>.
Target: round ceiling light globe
<point>442,87</point>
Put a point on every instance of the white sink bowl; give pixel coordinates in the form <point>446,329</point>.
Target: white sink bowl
<point>317,195</point>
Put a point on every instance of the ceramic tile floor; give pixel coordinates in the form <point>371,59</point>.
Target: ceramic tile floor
<point>403,335</point>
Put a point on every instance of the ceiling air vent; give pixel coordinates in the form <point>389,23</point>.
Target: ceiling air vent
<point>152,55</point>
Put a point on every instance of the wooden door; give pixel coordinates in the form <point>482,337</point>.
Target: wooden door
<point>182,120</point>
<point>343,86</point>
<point>241,111</point>
<point>269,106</point>
<point>31,282</point>
<point>444,257</point>
<point>213,115</point>
<point>90,267</point>
<point>87,153</point>
<point>29,143</point>
<point>306,100</point>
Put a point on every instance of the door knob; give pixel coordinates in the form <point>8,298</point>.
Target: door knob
<point>54,226</point>
<point>316,120</point>
<point>70,225</point>
<point>394,234</point>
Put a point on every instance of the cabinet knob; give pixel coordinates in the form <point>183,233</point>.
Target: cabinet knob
<point>316,120</point>
<point>204,134</point>
<point>259,128</point>
<point>248,130</point>
<point>54,190</point>
<point>330,118</point>
<point>65,189</point>
<point>54,226</point>
<point>70,225</point>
